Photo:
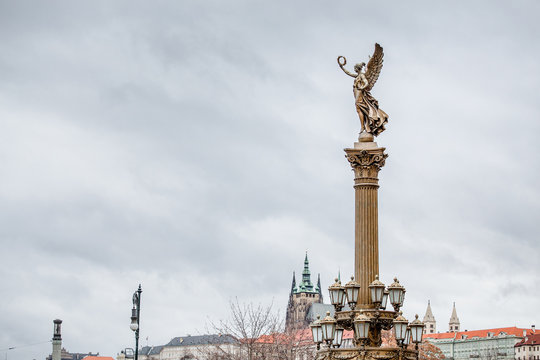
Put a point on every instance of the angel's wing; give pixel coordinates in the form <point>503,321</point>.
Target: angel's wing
<point>374,67</point>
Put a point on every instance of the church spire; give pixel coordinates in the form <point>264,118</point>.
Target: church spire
<point>429,314</point>
<point>318,287</point>
<point>305,284</point>
<point>293,286</point>
<point>429,320</point>
<point>454,320</point>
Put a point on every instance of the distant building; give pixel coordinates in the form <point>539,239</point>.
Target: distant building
<point>200,347</point>
<point>429,321</point>
<point>66,355</point>
<point>528,348</point>
<point>489,344</point>
<point>305,301</point>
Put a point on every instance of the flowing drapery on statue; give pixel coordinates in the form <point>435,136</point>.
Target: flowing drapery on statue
<point>372,119</point>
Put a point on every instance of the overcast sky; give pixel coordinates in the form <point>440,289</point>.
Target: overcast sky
<point>196,147</point>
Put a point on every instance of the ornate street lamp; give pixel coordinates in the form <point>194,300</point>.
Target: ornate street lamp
<point>407,339</point>
<point>352,289</point>
<point>337,295</point>
<point>417,328</point>
<point>361,328</point>
<point>377,292</point>
<point>328,325</point>
<point>316,332</point>
<point>338,338</point>
<point>384,300</point>
<point>135,317</point>
<point>400,327</point>
<point>396,294</point>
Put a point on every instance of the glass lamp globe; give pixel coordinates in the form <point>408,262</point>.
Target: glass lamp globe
<point>396,294</point>
<point>400,327</point>
<point>384,300</point>
<point>361,327</point>
<point>377,291</point>
<point>338,338</point>
<point>352,289</point>
<point>337,293</point>
<point>316,330</point>
<point>134,326</point>
<point>328,325</point>
<point>417,328</point>
<point>407,339</point>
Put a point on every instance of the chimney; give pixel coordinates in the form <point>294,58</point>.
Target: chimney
<point>57,340</point>
<point>524,333</point>
<point>533,329</point>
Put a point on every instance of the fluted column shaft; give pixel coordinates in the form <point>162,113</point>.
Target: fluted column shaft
<point>366,160</point>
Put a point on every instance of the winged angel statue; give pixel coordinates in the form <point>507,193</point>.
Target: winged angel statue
<point>372,119</point>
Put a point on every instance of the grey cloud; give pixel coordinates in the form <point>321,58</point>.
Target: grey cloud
<point>196,147</point>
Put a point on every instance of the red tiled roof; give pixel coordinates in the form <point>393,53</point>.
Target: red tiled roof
<point>478,333</point>
<point>98,358</point>
<point>530,339</point>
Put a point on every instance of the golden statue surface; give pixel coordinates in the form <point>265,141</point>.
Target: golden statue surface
<point>372,118</point>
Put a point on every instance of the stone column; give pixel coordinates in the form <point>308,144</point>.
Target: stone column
<point>366,159</point>
<point>57,340</point>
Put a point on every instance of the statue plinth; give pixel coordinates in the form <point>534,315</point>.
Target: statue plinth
<point>366,159</point>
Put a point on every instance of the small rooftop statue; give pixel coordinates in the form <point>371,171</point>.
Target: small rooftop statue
<point>372,119</point>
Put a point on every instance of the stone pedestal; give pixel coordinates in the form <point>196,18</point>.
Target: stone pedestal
<point>57,340</point>
<point>57,349</point>
<point>366,159</point>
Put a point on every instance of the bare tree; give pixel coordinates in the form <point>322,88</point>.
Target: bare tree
<point>258,331</point>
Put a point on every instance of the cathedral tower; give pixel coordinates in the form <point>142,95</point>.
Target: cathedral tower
<point>301,297</point>
<point>429,321</point>
<point>454,320</point>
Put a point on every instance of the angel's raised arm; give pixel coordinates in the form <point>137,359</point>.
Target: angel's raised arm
<point>342,66</point>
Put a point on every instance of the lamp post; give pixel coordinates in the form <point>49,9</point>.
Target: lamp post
<point>316,332</point>
<point>337,295</point>
<point>328,325</point>
<point>135,317</point>
<point>417,329</point>
<point>367,297</point>
<point>352,289</point>
<point>400,328</point>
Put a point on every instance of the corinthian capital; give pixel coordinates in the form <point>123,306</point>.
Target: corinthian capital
<point>365,158</point>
